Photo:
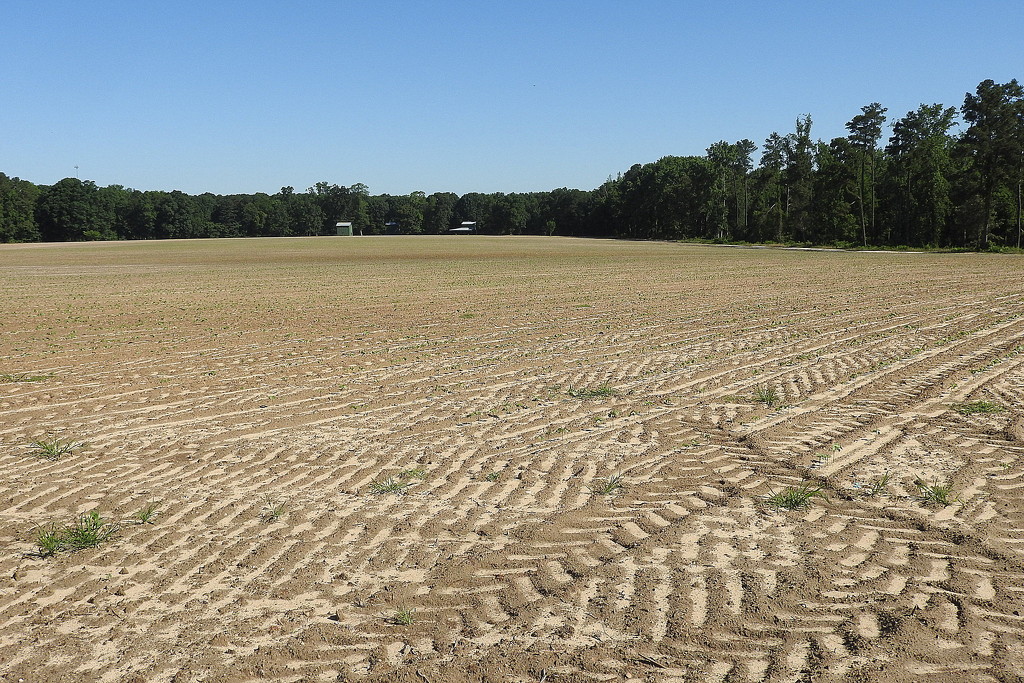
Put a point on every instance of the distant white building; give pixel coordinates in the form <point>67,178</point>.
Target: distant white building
<point>466,226</point>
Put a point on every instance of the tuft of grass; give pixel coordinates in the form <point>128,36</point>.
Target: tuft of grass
<point>48,540</point>
<point>940,494</point>
<point>272,511</point>
<point>974,407</point>
<point>611,485</point>
<point>88,531</point>
<point>146,514</point>
<point>389,485</point>
<point>413,473</point>
<point>604,391</point>
<point>879,484</point>
<point>54,448</point>
<point>403,616</point>
<point>795,497</point>
<point>23,377</point>
<point>768,395</point>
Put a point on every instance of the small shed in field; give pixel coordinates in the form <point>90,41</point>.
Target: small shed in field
<point>464,227</point>
<point>344,228</point>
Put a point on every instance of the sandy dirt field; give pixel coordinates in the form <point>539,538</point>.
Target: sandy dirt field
<point>510,459</point>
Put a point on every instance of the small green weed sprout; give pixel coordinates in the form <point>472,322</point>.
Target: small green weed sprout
<point>403,617</point>
<point>879,484</point>
<point>795,497</point>
<point>146,514</point>
<point>824,457</point>
<point>768,395</point>
<point>611,485</point>
<point>493,476</point>
<point>54,448</point>
<point>272,511</point>
<point>604,391</point>
<point>974,407</point>
<point>389,485</point>
<point>413,473</point>
<point>940,494</point>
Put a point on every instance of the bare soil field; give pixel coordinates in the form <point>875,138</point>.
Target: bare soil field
<point>509,459</point>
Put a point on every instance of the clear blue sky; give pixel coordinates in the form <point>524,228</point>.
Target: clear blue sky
<point>462,96</point>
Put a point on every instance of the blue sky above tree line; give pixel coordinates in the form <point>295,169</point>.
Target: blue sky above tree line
<point>463,96</point>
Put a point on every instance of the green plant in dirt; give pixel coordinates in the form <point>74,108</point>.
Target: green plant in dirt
<point>54,448</point>
<point>403,616</point>
<point>940,494</point>
<point>610,485</point>
<point>23,377</point>
<point>493,476</point>
<point>272,510</point>
<point>48,540</point>
<point>604,391</point>
<point>795,497</point>
<point>879,484</point>
<point>146,514</point>
<point>974,407</point>
<point>413,473</point>
<point>768,395</point>
<point>389,485</point>
<point>824,457</point>
<point>87,531</point>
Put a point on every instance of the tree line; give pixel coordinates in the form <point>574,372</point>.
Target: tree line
<point>928,184</point>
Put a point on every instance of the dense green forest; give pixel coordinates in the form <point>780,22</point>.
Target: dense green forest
<point>925,186</point>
